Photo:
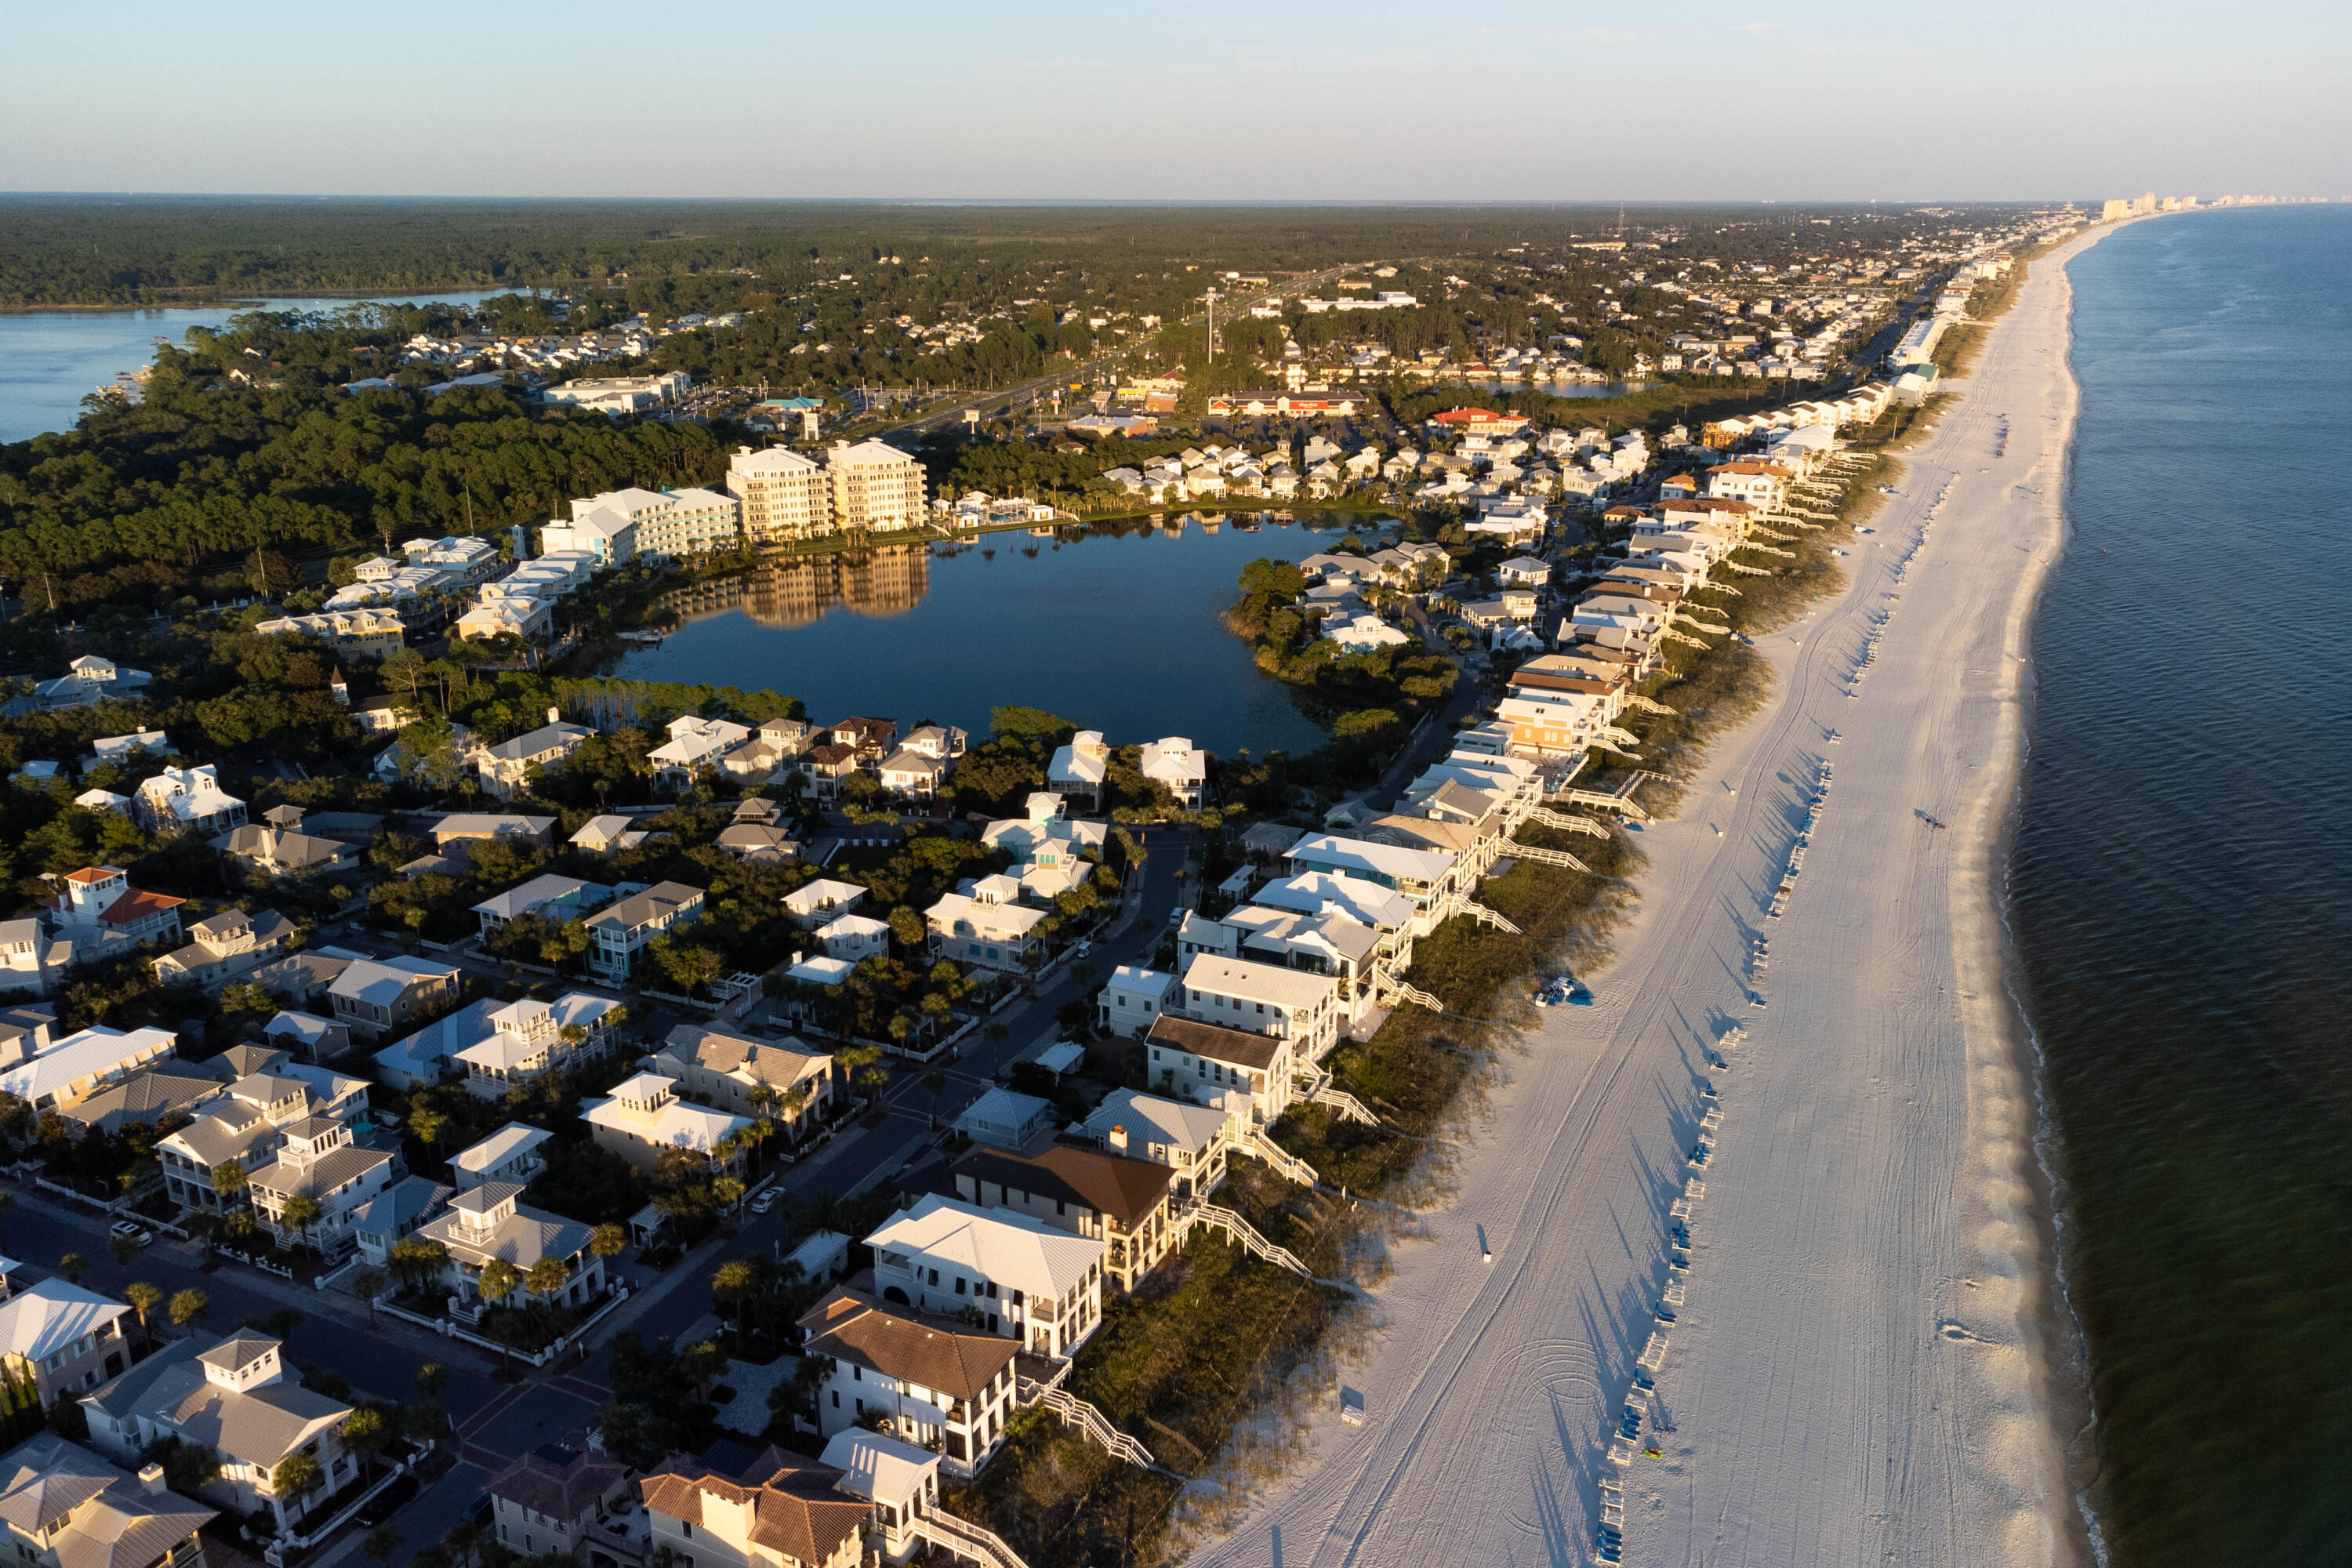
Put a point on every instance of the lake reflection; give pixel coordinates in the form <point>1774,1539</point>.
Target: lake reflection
<point>1115,627</point>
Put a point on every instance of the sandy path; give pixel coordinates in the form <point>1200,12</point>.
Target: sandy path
<point>1854,1376</point>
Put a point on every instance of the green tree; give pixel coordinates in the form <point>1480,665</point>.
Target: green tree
<point>143,1298</point>
<point>298,1475</point>
<point>229,1180</point>
<point>415,1262</point>
<point>367,1285</point>
<point>547,1279</point>
<point>380,1546</point>
<point>189,1306</point>
<point>608,1240</point>
<point>499,1279</point>
<point>72,1265</point>
<point>301,1212</point>
<point>431,1378</point>
<point>367,1434</point>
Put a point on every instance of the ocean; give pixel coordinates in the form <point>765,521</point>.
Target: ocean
<point>2181,885</point>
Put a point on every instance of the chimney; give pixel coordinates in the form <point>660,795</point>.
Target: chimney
<point>554,716</point>
<point>1118,1136</point>
<point>151,1478</point>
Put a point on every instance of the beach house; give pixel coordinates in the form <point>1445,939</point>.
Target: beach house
<point>1022,1277</point>
<point>933,1380</point>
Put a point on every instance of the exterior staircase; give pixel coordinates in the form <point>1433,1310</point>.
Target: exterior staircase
<point>965,1538</point>
<point>1345,1104</point>
<point>1548,856</point>
<point>1544,817</point>
<point>1078,1414</point>
<point>1651,705</point>
<point>1485,917</point>
<point>1289,1166</point>
<point>1241,1230</point>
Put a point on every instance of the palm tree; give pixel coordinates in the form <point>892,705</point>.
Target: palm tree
<point>123,1249</point>
<point>733,1285</point>
<point>298,1475</point>
<point>301,1212</point>
<point>365,1433</point>
<point>380,1546</point>
<point>367,1285</point>
<point>415,1262</point>
<point>934,1080</point>
<point>498,1280</point>
<point>608,1240</point>
<point>188,1307</point>
<point>427,1124</point>
<point>143,1298</point>
<point>430,1377</point>
<point>71,1265</point>
<point>547,1279</point>
<point>229,1182</point>
<point>995,1035</point>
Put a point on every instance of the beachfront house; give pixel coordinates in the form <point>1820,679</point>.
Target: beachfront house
<point>1026,1279</point>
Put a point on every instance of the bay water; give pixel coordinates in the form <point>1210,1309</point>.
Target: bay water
<point>51,359</point>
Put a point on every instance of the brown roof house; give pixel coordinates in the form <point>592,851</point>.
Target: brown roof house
<point>921,1376</point>
<point>557,1501</point>
<point>780,1511</point>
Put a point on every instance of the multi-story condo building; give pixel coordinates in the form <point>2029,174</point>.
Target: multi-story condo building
<point>784,496</point>
<point>877,489</point>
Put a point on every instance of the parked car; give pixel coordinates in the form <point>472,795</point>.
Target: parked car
<point>766,1200</point>
<point>132,1231</point>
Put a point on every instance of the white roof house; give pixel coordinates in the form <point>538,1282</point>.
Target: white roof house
<point>1080,767</point>
<point>1005,1118</point>
<point>42,1320</point>
<point>1150,1126</point>
<point>601,834</point>
<point>1174,763</point>
<point>509,1154</point>
<point>646,1112</point>
<point>1241,981</point>
<point>820,971</point>
<point>854,937</point>
<point>694,741</point>
<point>84,1061</point>
<point>816,902</point>
<point>1410,871</point>
<point>1012,1250</point>
<point>1317,892</point>
<point>180,798</point>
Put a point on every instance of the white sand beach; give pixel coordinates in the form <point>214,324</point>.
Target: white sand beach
<point>1856,1373</point>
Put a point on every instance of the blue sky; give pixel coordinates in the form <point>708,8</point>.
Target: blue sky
<point>1206,101</point>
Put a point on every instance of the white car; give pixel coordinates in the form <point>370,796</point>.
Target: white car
<point>765,1200</point>
<point>133,1232</point>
